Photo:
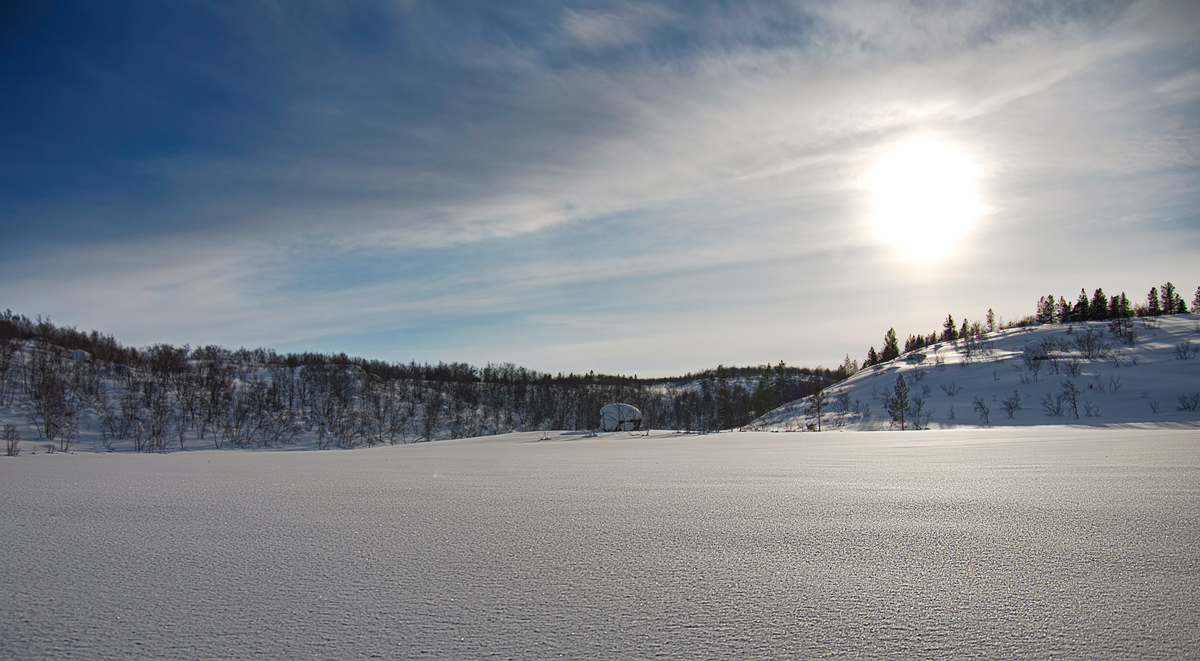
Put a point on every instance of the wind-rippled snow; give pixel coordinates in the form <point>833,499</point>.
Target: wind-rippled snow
<point>988,543</point>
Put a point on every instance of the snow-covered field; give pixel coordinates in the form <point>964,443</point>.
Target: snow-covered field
<point>1056,374</point>
<point>1029,542</point>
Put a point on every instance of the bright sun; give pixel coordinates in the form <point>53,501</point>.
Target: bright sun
<point>924,196</point>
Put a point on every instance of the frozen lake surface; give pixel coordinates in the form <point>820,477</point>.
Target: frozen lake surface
<point>1037,542</point>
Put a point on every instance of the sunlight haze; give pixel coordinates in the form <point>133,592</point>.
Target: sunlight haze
<point>925,196</point>
<point>647,188</point>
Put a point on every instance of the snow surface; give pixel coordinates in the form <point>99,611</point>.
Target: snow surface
<point>1119,385</point>
<point>1023,542</point>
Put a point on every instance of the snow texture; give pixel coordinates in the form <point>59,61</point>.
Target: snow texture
<point>1016,543</point>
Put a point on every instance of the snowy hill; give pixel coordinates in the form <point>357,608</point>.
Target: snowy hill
<point>1083,374</point>
<point>1054,374</point>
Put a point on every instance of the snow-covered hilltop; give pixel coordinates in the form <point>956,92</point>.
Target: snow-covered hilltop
<point>1084,373</point>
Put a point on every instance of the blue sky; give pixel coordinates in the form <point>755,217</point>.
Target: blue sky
<point>646,188</point>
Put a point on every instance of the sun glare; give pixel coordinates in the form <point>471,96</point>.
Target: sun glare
<point>924,196</point>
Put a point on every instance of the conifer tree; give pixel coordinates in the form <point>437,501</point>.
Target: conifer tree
<point>765,397</point>
<point>724,399</point>
<point>1046,310</point>
<point>949,332</point>
<point>1152,304</point>
<point>1098,310</point>
<point>1168,298</point>
<point>872,358</point>
<point>1063,314</point>
<point>1124,309</point>
<point>1080,311</point>
<point>849,366</point>
<point>782,384</point>
<point>913,343</point>
<point>891,346</point>
<point>1120,323</point>
<point>991,321</point>
<point>897,404</point>
<point>1180,306</point>
<point>1196,301</point>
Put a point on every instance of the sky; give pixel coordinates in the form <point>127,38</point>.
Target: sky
<point>637,188</point>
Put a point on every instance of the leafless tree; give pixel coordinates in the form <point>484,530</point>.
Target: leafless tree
<point>1070,397</point>
<point>1012,404</point>
<point>983,409</point>
<point>817,403</point>
<point>8,351</point>
<point>432,413</point>
<point>12,440</point>
<point>1052,404</point>
<point>841,400</point>
<point>52,408</point>
<point>1185,351</point>
<point>920,415</point>
<point>1091,344</point>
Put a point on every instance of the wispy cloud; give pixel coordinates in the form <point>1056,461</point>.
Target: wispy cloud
<point>637,143</point>
<point>628,24</point>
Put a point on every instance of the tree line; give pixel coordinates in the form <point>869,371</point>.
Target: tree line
<point>969,332</point>
<point>1049,310</point>
<point>1099,307</point>
<point>164,397</point>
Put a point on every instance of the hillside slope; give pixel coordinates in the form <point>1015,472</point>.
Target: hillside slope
<point>1079,374</point>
